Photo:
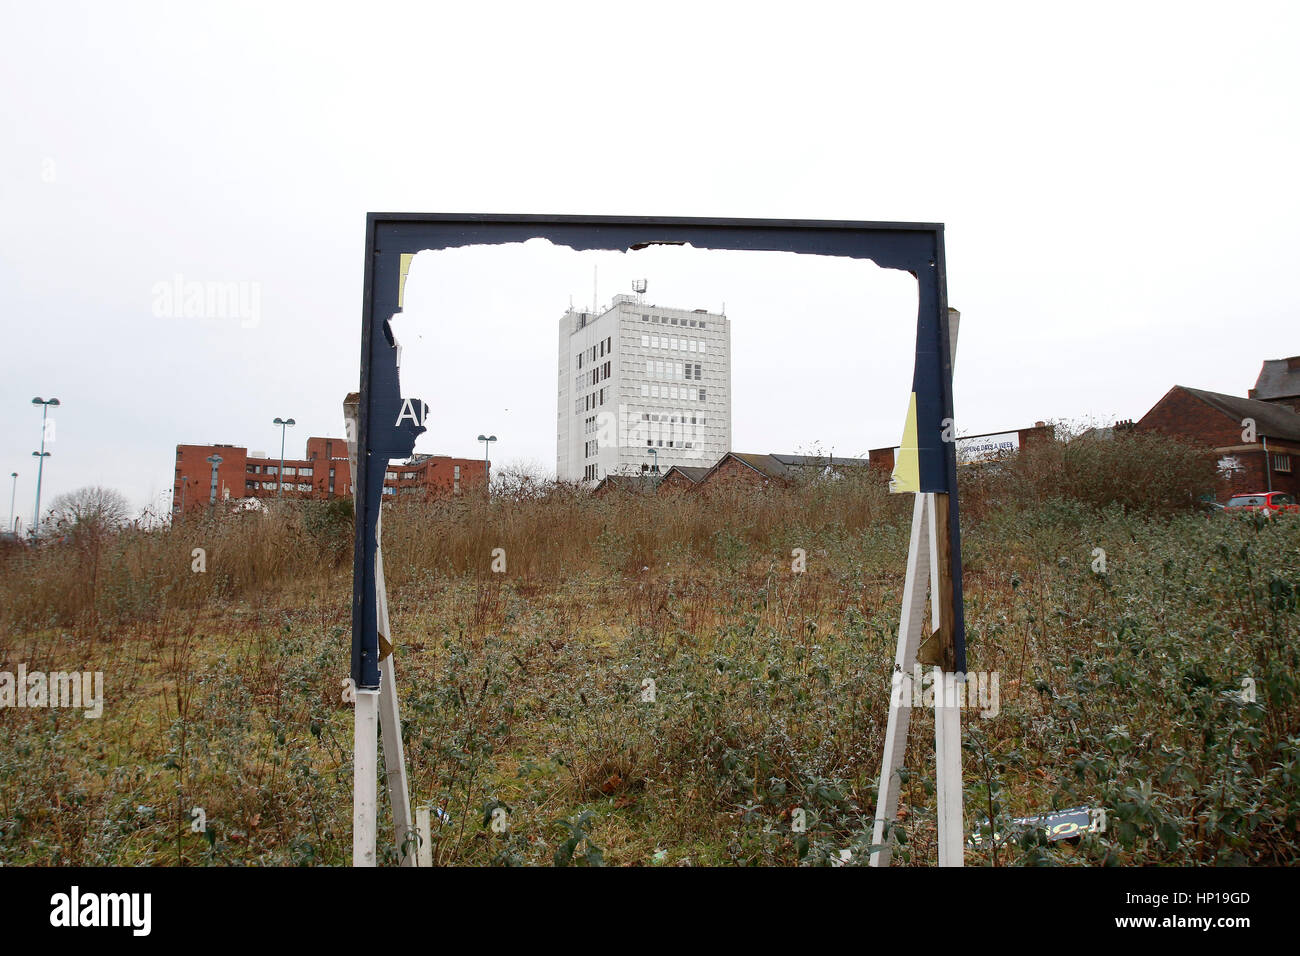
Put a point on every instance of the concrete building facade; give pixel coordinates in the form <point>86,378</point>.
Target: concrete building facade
<point>640,385</point>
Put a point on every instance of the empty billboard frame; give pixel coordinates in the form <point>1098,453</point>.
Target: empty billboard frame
<point>387,427</point>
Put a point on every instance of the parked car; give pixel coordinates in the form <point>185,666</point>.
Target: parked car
<point>1268,502</point>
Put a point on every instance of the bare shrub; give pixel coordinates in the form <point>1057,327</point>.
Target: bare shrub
<point>1144,471</point>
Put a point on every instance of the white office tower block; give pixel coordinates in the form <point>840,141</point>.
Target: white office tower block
<point>638,377</point>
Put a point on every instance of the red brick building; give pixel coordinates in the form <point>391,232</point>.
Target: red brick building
<point>1262,461</point>
<point>435,476</point>
<point>882,458</point>
<point>736,470</point>
<point>680,478</point>
<point>324,474</point>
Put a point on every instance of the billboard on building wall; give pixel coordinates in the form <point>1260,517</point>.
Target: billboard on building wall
<point>987,447</point>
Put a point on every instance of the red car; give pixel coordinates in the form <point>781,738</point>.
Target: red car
<point>1269,502</point>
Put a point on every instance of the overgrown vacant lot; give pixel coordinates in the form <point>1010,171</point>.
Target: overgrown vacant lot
<point>524,689</point>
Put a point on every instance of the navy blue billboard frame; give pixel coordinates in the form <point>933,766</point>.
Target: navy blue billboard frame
<point>916,248</point>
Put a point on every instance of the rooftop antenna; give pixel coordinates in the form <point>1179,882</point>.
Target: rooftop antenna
<point>639,286</point>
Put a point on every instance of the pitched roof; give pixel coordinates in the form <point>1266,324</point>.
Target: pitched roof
<point>820,460</point>
<point>1276,421</point>
<point>785,467</point>
<point>765,465</point>
<point>1279,378</point>
<point>768,465</point>
<point>692,473</point>
<point>628,483</point>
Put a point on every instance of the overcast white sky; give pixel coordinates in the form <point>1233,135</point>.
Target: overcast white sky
<point>1117,181</point>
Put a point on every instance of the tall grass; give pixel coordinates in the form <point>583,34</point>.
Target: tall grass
<point>550,530</point>
<point>1145,471</point>
<point>140,573</point>
<point>524,689</point>
<point>562,530</point>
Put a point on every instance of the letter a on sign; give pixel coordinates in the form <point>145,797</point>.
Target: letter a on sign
<point>416,415</point>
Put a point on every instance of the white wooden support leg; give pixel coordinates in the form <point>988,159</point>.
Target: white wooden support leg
<point>900,703</point>
<point>947,717</point>
<point>390,725</point>
<point>424,857</point>
<point>947,767</point>
<point>365,789</point>
<point>390,721</point>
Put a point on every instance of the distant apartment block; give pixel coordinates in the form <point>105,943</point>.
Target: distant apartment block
<point>641,385</point>
<point>322,475</point>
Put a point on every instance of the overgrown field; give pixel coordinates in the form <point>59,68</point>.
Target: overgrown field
<point>527,689</point>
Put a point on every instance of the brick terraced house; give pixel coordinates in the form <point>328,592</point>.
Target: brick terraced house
<point>682,477</point>
<point>1219,423</point>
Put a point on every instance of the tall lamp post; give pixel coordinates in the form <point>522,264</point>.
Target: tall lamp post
<point>655,451</point>
<point>283,423</point>
<point>41,456</point>
<point>13,522</point>
<point>36,527</point>
<point>487,443</point>
<point>185,484</point>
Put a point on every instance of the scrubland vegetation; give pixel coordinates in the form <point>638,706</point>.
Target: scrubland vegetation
<point>524,689</point>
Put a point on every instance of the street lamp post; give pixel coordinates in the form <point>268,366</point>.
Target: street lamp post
<point>283,423</point>
<point>13,522</point>
<point>487,443</point>
<point>1268,471</point>
<point>41,456</point>
<point>185,485</point>
<point>655,451</point>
